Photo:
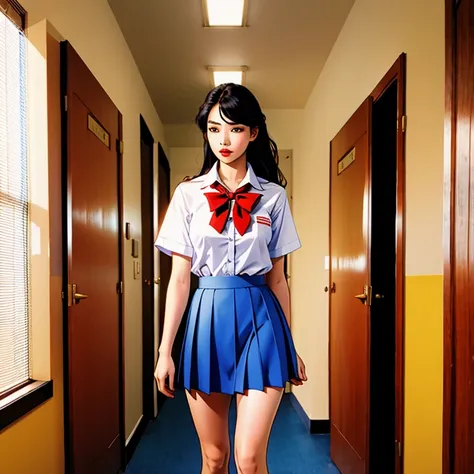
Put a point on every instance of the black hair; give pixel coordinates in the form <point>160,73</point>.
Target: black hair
<point>238,105</point>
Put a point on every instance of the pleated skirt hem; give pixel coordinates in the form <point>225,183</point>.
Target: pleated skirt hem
<point>236,338</point>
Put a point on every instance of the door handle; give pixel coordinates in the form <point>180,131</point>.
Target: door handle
<point>157,280</point>
<point>73,297</point>
<point>366,296</point>
<point>80,296</point>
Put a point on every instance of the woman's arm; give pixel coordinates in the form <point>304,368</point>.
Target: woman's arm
<point>276,281</point>
<point>176,300</point>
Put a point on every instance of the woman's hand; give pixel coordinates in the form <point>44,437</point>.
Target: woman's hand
<point>165,369</point>
<point>301,372</point>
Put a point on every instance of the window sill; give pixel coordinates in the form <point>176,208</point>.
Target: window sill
<point>24,400</point>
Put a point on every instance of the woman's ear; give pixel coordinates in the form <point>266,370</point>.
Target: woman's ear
<point>253,134</point>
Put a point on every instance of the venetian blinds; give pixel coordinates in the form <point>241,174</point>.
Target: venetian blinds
<point>14,210</point>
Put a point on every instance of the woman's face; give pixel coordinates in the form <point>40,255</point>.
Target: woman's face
<point>228,141</point>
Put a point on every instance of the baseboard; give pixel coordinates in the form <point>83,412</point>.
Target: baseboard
<point>135,438</point>
<point>313,426</point>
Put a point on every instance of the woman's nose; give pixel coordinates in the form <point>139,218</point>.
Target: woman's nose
<point>225,140</point>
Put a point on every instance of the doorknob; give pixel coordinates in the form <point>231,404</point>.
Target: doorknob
<point>157,280</point>
<point>332,288</point>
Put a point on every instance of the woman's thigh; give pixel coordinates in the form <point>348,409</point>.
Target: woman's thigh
<point>211,418</point>
<point>256,412</point>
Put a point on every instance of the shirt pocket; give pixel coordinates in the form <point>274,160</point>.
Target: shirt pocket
<point>262,225</point>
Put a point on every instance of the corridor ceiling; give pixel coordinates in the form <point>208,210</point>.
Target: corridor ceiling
<point>284,47</point>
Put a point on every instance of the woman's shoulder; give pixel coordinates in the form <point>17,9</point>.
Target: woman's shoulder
<point>271,187</point>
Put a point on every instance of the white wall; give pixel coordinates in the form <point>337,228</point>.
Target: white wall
<point>92,30</point>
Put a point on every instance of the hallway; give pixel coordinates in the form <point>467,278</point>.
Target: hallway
<point>170,444</point>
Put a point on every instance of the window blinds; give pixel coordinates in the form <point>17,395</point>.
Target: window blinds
<point>14,210</point>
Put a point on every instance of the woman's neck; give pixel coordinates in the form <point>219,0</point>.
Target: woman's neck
<point>232,174</point>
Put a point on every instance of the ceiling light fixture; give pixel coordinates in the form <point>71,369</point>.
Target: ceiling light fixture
<point>222,75</point>
<point>225,13</point>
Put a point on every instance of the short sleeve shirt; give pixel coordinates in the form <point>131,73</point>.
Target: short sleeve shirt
<point>186,229</point>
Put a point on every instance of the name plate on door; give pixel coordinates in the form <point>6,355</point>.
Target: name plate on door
<point>98,130</point>
<point>345,162</point>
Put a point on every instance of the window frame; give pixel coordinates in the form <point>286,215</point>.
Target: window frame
<point>20,400</point>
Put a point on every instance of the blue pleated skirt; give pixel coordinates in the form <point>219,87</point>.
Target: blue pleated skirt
<point>236,338</point>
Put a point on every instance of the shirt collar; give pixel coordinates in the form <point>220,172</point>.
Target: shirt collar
<point>212,176</point>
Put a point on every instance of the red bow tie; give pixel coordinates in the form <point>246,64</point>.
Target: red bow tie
<point>219,205</point>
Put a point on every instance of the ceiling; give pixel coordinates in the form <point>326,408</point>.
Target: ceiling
<point>285,47</point>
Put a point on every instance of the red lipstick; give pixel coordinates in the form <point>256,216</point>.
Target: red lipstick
<point>225,152</point>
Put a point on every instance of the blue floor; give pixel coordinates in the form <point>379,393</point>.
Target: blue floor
<point>170,444</point>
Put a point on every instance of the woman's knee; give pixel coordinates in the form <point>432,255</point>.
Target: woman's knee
<point>216,458</point>
<point>248,461</point>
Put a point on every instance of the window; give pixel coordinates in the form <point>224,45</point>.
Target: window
<point>19,394</point>
<point>14,210</point>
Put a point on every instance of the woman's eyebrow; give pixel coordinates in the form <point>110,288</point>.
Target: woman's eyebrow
<point>213,123</point>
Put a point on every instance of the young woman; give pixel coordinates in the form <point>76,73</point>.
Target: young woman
<point>231,226</point>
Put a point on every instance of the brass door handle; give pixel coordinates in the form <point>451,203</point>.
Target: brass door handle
<point>366,296</point>
<point>73,297</point>
<point>80,296</point>
<point>157,280</point>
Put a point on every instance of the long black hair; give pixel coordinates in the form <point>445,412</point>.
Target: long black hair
<point>238,105</point>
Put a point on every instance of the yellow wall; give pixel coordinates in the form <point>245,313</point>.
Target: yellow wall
<point>375,34</point>
<point>423,380</point>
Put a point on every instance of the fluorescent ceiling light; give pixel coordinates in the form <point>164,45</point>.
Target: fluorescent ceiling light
<point>225,12</point>
<point>222,75</point>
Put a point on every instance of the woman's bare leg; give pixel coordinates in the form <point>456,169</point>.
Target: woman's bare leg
<point>211,418</point>
<point>256,412</point>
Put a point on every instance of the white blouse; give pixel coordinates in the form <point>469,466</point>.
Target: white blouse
<point>186,229</point>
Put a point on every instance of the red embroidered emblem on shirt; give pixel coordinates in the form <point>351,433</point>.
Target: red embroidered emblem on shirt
<point>263,220</point>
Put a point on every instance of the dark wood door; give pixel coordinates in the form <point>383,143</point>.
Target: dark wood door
<point>349,354</point>
<point>458,410</point>
<point>163,203</point>
<point>93,272</point>
<point>148,269</point>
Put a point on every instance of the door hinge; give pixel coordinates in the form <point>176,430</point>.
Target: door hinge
<point>120,287</point>
<point>119,146</point>
<point>398,448</point>
<point>65,103</point>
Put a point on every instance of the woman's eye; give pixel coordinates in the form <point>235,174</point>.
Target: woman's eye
<point>238,130</point>
<point>213,129</point>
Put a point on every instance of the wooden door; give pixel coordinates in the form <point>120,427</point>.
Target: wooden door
<point>458,410</point>
<point>93,273</point>
<point>349,355</point>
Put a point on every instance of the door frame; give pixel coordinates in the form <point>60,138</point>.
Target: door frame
<point>163,162</point>
<point>448,235</point>
<point>398,73</point>
<point>66,196</point>
<point>148,329</point>
<point>451,240</point>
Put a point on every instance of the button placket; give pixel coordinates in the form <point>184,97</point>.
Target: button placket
<point>231,234</point>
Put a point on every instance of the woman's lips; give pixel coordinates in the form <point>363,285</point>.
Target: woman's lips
<point>225,152</point>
